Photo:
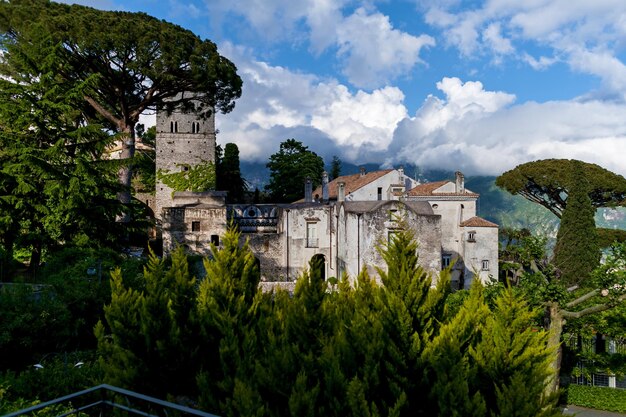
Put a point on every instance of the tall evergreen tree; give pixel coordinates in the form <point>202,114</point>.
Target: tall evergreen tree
<point>577,253</point>
<point>149,343</point>
<point>132,62</point>
<point>53,186</point>
<point>512,361</point>
<point>229,174</point>
<point>450,369</point>
<point>228,309</point>
<point>335,167</point>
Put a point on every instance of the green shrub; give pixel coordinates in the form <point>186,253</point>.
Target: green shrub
<point>601,398</point>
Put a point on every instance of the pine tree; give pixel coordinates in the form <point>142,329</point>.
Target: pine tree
<point>229,308</point>
<point>512,361</point>
<point>449,365</point>
<point>576,253</point>
<point>151,342</point>
<point>410,309</point>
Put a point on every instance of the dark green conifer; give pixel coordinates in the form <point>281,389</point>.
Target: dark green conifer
<point>229,305</point>
<point>150,344</point>
<point>512,361</point>
<point>577,253</point>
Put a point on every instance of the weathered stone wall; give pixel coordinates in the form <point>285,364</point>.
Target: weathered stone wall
<point>360,234</point>
<point>178,228</point>
<point>182,139</point>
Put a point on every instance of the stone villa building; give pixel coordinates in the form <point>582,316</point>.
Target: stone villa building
<point>341,223</point>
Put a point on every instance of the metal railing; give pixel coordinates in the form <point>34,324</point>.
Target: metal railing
<point>104,400</point>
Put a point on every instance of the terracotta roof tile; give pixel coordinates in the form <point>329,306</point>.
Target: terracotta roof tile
<point>426,189</point>
<point>429,188</point>
<point>477,222</point>
<point>353,183</point>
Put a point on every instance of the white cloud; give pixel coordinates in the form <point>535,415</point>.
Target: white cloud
<point>369,49</point>
<point>588,36</point>
<point>278,103</point>
<point>497,43</point>
<point>496,136</point>
<point>373,51</point>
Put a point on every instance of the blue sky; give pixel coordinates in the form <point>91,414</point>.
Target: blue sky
<point>477,86</point>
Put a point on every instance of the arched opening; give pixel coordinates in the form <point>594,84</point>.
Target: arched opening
<point>318,267</point>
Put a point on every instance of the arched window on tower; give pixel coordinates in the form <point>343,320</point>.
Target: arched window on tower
<point>175,127</point>
<point>193,127</point>
<point>171,127</point>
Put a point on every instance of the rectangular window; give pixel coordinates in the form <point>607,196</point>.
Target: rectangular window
<point>393,215</point>
<point>471,236</point>
<point>445,261</point>
<point>485,265</point>
<point>380,193</point>
<point>311,235</point>
<point>195,226</point>
<point>215,239</point>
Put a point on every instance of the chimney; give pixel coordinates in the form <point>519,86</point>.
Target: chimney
<point>308,190</point>
<point>325,187</point>
<point>362,170</point>
<point>341,191</point>
<point>460,183</point>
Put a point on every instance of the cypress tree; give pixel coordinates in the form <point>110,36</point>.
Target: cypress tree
<point>512,361</point>
<point>409,309</point>
<point>577,253</point>
<point>228,310</point>
<point>151,344</point>
<point>449,366</point>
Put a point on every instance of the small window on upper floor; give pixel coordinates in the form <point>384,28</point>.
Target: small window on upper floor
<point>471,236</point>
<point>193,127</point>
<point>380,193</point>
<point>215,239</point>
<point>175,127</point>
<point>195,226</point>
<point>485,265</point>
<point>171,127</point>
<point>393,215</point>
<point>435,206</point>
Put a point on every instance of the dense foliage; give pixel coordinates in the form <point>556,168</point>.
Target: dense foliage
<point>577,253</point>
<point>289,169</point>
<point>128,63</point>
<point>354,350</point>
<point>600,398</point>
<point>196,178</point>
<point>229,173</point>
<point>548,182</point>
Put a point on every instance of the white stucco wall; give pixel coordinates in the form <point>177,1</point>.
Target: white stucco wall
<point>483,248</point>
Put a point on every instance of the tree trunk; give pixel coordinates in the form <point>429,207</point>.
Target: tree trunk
<point>125,172</point>
<point>35,259</point>
<point>555,328</point>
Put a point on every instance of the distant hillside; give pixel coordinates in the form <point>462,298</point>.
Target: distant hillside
<point>494,204</point>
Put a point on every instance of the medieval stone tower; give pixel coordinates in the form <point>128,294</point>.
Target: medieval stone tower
<point>183,140</point>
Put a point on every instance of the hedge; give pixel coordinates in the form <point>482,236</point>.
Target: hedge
<point>600,398</point>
